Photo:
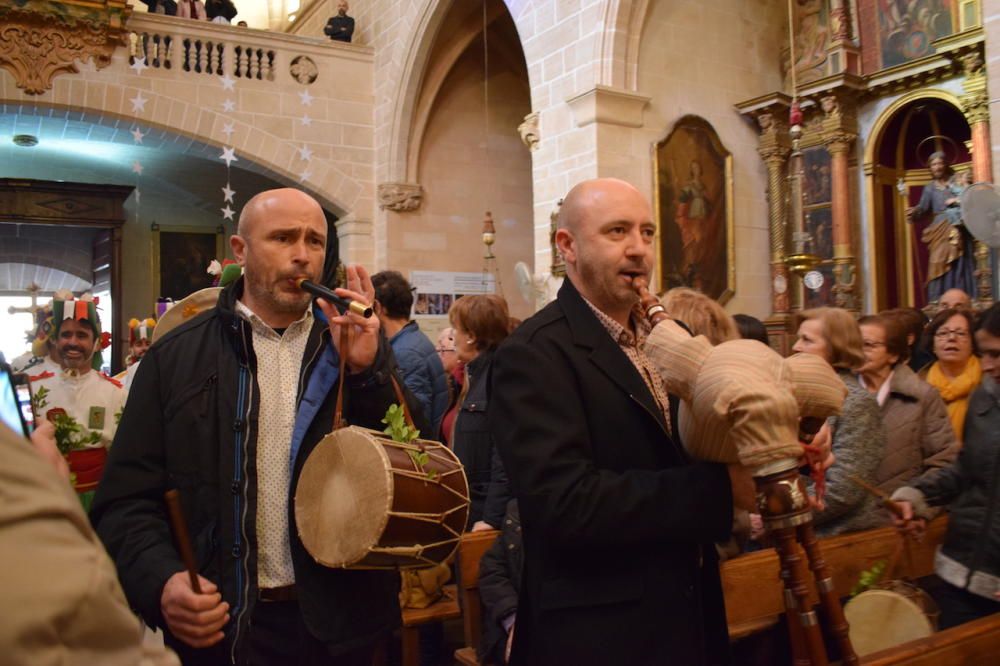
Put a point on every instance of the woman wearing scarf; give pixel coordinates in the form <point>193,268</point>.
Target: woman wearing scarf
<point>956,373</point>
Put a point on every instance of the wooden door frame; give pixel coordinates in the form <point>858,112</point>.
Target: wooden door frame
<point>40,202</point>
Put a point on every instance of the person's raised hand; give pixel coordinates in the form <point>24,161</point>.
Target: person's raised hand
<point>43,438</point>
<point>907,523</point>
<point>196,619</point>
<point>362,333</point>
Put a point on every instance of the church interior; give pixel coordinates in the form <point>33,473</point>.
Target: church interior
<point>438,112</point>
<point>784,147</point>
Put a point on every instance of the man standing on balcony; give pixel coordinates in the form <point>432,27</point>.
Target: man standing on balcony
<point>166,7</point>
<point>340,28</point>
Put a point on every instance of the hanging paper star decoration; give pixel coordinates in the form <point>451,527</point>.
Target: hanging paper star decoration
<point>228,156</point>
<point>227,129</point>
<point>228,82</point>
<point>306,120</point>
<point>227,193</point>
<point>228,212</point>
<point>139,64</point>
<point>305,153</point>
<point>137,135</point>
<point>137,167</point>
<point>138,103</point>
<point>306,98</point>
<point>229,106</point>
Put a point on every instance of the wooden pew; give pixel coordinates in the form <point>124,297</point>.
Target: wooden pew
<point>445,608</point>
<point>753,592</point>
<point>470,550</point>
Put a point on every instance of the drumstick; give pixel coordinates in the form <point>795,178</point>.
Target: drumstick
<point>889,504</point>
<point>179,527</point>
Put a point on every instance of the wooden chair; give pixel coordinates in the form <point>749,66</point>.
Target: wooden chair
<point>445,608</point>
<point>470,551</point>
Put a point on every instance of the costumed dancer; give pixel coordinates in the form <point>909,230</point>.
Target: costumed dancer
<point>43,355</point>
<point>83,403</point>
<point>140,337</point>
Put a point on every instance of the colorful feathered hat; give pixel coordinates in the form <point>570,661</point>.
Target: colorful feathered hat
<point>140,329</point>
<point>82,309</point>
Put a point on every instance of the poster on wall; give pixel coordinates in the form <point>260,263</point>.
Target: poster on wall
<point>435,291</point>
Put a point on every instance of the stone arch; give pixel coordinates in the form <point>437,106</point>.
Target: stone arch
<point>617,47</point>
<point>339,192</point>
<point>419,84</point>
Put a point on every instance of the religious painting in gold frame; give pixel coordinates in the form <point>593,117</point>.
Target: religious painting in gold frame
<point>693,193</point>
<point>180,256</point>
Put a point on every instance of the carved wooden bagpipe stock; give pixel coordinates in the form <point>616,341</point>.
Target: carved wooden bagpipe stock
<point>743,403</point>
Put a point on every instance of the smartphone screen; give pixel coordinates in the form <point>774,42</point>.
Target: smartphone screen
<point>23,389</point>
<point>10,408</point>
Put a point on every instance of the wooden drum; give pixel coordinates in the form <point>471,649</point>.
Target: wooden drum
<point>364,501</point>
<point>888,615</point>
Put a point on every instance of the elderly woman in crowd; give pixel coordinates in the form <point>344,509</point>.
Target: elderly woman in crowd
<point>956,373</point>
<point>969,559</point>
<point>480,324</point>
<point>858,433</point>
<point>919,436</point>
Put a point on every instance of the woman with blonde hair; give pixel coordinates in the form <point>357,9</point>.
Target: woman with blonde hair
<point>701,314</point>
<point>858,433</point>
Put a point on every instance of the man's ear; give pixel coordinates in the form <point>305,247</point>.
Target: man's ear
<point>566,245</point>
<point>239,247</point>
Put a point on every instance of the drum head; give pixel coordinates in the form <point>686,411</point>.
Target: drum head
<point>882,619</point>
<point>343,497</point>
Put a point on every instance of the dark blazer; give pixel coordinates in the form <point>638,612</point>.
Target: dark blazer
<point>618,522</point>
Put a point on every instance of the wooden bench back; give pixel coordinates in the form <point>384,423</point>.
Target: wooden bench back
<point>751,584</point>
<point>470,550</point>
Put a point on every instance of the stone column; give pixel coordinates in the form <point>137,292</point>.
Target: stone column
<point>774,149</point>
<point>838,136</point>
<point>357,243</point>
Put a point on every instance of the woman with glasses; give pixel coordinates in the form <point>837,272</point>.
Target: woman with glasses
<point>956,373</point>
<point>858,434</point>
<point>919,436</point>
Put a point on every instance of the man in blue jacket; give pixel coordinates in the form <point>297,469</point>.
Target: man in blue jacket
<point>418,360</point>
<point>226,408</point>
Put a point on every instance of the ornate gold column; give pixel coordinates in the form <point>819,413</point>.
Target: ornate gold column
<point>774,148</point>
<point>839,133</point>
<point>976,107</point>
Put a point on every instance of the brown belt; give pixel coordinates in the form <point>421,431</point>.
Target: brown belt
<point>285,593</point>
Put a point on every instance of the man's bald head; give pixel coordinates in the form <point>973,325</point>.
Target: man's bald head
<point>269,202</point>
<point>586,194</point>
<point>954,298</point>
<point>605,233</point>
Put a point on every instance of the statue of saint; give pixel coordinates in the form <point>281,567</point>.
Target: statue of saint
<point>950,258</point>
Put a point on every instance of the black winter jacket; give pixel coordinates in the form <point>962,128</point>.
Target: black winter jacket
<point>473,444</point>
<point>970,555</point>
<point>191,423</point>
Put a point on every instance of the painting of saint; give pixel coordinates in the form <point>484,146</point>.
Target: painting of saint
<point>908,28</point>
<point>183,259</point>
<point>693,181</point>
<point>816,187</point>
